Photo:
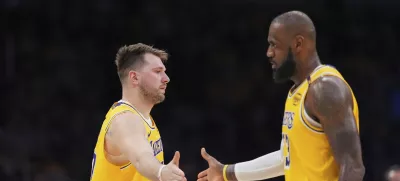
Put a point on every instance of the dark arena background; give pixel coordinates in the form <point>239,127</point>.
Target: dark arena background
<point>58,78</point>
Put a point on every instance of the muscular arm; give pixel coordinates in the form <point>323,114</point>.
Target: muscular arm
<point>129,135</point>
<point>330,101</point>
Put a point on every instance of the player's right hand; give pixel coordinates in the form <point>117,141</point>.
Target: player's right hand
<point>171,172</point>
<point>214,171</point>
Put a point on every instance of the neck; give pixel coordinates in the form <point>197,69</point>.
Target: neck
<point>138,101</point>
<point>303,71</point>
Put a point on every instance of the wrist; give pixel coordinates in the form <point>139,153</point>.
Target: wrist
<point>224,172</point>
<point>228,173</point>
<point>160,171</point>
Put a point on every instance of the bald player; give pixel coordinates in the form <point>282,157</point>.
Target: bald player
<point>320,130</point>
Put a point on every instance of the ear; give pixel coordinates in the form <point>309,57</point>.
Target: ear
<point>298,43</point>
<point>133,77</point>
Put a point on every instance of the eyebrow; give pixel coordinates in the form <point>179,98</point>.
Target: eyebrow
<point>162,68</point>
<point>273,40</point>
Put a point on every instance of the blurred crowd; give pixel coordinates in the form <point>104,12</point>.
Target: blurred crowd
<point>59,78</point>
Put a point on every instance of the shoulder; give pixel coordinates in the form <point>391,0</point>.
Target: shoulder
<point>125,120</point>
<point>329,88</point>
<point>328,96</point>
<point>126,114</point>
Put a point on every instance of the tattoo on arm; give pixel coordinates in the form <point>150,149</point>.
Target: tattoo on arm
<point>330,100</point>
<point>230,173</point>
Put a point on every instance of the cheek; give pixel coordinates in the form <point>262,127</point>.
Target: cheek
<point>152,78</point>
<point>279,56</point>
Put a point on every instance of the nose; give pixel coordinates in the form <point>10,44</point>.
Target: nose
<point>270,53</point>
<point>165,78</point>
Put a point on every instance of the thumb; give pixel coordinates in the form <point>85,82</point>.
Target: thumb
<point>175,159</point>
<point>206,156</point>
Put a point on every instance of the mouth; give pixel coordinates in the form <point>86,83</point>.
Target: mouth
<point>273,64</point>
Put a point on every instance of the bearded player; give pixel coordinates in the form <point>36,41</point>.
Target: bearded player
<point>320,129</point>
<point>129,146</point>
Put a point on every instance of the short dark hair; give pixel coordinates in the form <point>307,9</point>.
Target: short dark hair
<point>297,21</point>
<point>131,57</point>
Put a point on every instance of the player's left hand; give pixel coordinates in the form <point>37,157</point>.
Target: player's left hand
<point>214,171</point>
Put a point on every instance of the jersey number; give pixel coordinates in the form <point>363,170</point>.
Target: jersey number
<point>93,164</point>
<point>285,138</point>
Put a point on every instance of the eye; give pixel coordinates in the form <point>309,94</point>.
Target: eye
<point>272,44</point>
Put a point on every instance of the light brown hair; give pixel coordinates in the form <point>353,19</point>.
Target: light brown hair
<point>131,57</point>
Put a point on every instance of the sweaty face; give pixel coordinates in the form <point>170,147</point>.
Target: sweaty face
<point>153,79</point>
<point>280,54</point>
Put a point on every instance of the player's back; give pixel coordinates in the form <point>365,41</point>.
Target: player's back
<point>102,169</point>
<point>306,150</point>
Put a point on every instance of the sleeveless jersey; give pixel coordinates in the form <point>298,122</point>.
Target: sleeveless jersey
<point>306,151</point>
<point>102,169</point>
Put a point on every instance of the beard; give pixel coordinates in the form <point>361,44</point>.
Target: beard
<point>284,72</point>
<point>151,94</point>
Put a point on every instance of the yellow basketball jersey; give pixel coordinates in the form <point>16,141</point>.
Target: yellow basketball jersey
<point>306,151</point>
<point>102,170</point>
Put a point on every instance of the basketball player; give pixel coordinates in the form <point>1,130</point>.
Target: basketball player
<point>129,146</point>
<point>320,140</point>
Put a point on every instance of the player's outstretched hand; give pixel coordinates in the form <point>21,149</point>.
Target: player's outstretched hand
<point>171,172</point>
<point>214,171</point>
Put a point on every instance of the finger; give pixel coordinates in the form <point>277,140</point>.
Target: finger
<point>178,172</point>
<point>175,159</point>
<point>205,155</point>
<point>177,177</point>
<point>202,179</point>
<point>202,174</point>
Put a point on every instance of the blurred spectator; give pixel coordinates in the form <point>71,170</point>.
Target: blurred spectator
<point>393,173</point>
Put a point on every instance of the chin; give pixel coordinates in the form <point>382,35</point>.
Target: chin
<point>160,99</point>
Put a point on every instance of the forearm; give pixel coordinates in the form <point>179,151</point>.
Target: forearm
<point>264,167</point>
<point>351,171</point>
<point>147,165</point>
